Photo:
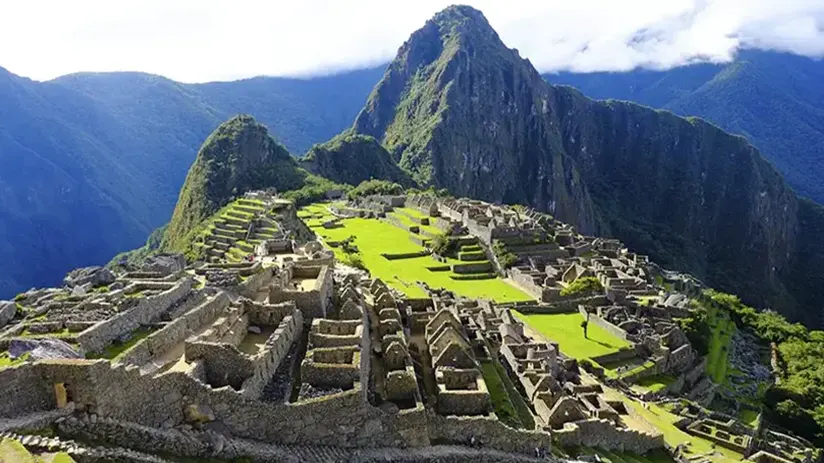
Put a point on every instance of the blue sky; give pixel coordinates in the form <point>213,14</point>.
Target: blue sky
<point>206,40</point>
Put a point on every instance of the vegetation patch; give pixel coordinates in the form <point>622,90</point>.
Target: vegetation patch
<point>501,402</point>
<point>582,287</point>
<point>117,349</point>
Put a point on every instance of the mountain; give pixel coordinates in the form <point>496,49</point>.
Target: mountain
<point>353,158</point>
<point>774,99</point>
<point>460,111</point>
<point>103,156</point>
<point>238,156</point>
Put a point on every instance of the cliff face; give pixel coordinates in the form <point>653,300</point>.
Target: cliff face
<point>460,111</point>
<point>238,156</point>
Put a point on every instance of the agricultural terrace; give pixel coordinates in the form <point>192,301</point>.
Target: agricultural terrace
<point>565,329</point>
<point>374,238</point>
<point>664,421</point>
<point>722,328</point>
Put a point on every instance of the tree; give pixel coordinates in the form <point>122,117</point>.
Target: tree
<point>585,286</point>
<point>584,325</point>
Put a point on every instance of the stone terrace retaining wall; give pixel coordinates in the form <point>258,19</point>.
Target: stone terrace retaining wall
<point>603,434</point>
<point>147,311</point>
<point>276,348</point>
<point>255,283</point>
<point>489,432</point>
<point>611,328</point>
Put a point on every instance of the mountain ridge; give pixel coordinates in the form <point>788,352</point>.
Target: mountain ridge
<point>772,98</point>
<point>472,116</point>
<point>108,153</point>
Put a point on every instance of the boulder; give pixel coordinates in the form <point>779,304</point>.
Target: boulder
<point>40,349</point>
<point>254,330</point>
<point>96,276</point>
<point>7,311</point>
<point>166,264</point>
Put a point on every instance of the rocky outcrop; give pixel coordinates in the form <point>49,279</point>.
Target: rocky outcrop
<point>459,110</point>
<point>7,311</point>
<point>94,276</point>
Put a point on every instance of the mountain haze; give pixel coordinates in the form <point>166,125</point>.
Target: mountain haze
<point>460,111</point>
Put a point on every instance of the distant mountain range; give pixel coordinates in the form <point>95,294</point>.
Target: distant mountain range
<point>92,163</point>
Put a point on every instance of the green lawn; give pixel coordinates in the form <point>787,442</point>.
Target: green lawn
<point>12,451</point>
<point>374,238</point>
<point>655,383</point>
<point>565,329</point>
<point>501,402</point>
<point>663,420</point>
<point>748,417</point>
<point>718,358</point>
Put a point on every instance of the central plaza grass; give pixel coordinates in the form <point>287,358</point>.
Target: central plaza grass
<point>375,237</point>
<point>565,329</point>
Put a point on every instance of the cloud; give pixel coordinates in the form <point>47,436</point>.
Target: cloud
<point>203,40</point>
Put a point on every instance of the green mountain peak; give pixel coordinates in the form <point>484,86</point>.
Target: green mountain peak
<point>238,156</point>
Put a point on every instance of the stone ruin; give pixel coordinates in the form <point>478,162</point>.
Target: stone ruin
<point>285,353</point>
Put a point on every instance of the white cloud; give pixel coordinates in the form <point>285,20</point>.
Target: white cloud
<point>202,40</point>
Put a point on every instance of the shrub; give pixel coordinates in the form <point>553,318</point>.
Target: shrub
<point>375,187</point>
<point>442,244</point>
<point>583,287</point>
<point>354,260</point>
<point>505,258</point>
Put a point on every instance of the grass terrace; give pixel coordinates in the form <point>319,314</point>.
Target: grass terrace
<point>116,349</point>
<point>664,421</point>
<point>565,329</point>
<point>375,239</point>
<point>723,327</point>
<point>654,384</point>
<point>7,361</point>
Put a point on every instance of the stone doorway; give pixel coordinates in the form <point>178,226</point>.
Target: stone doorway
<point>63,394</point>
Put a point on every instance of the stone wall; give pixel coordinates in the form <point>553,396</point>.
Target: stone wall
<point>606,325</point>
<point>486,431</point>
<point>176,331</point>
<point>254,283</point>
<point>276,348</point>
<point>148,310</point>
<point>313,303</point>
<point>604,434</point>
<point>23,391</point>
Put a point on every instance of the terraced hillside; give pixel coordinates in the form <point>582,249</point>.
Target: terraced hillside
<point>235,230</point>
<point>393,249</point>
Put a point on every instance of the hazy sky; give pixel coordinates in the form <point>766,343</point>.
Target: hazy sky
<point>203,40</point>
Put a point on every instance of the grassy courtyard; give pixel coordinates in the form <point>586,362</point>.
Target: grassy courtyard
<point>374,238</point>
<point>565,329</point>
